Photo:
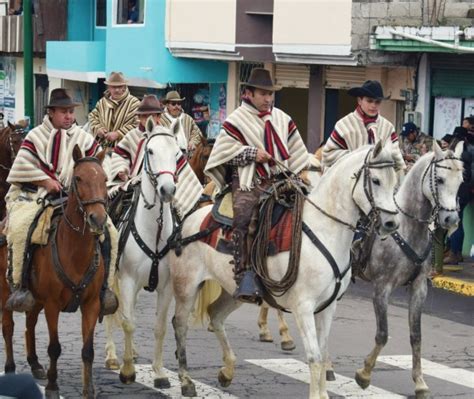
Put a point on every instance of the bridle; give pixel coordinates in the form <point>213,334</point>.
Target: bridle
<point>81,203</point>
<point>154,176</point>
<point>431,169</point>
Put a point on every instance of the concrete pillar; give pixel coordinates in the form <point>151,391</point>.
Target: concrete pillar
<point>424,92</point>
<point>315,107</point>
<point>232,87</point>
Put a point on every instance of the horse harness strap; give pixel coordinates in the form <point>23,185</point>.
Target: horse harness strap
<point>339,276</point>
<point>77,289</point>
<point>412,255</point>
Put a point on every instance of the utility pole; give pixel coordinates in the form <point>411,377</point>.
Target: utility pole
<point>28,60</point>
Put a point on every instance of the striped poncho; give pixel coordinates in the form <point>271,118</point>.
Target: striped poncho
<point>115,116</point>
<point>189,134</point>
<point>356,130</point>
<point>46,153</point>
<point>274,132</point>
<point>128,157</point>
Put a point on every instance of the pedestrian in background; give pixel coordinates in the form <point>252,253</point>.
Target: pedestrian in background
<point>414,144</point>
<point>115,113</point>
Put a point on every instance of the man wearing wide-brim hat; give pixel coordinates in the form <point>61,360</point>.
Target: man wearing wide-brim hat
<point>115,113</point>
<point>188,135</point>
<point>252,138</point>
<point>413,143</point>
<point>363,126</point>
<point>43,165</point>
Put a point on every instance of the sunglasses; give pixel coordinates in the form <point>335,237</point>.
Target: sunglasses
<point>174,103</point>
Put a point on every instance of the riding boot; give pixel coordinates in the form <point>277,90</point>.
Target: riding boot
<point>248,287</point>
<point>20,300</point>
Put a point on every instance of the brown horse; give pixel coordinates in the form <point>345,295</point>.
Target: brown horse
<point>69,271</point>
<point>11,138</point>
<point>200,157</point>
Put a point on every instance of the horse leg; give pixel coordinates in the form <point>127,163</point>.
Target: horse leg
<point>184,305</point>
<point>111,360</point>
<point>330,375</point>
<point>90,314</point>
<point>323,327</point>
<point>417,298</point>
<point>8,326</point>
<point>218,312</point>
<point>163,300</point>
<point>30,338</point>
<point>264,335</point>
<point>54,351</point>
<point>128,290</point>
<point>380,302</point>
<point>287,343</point>
<point>307,328</point>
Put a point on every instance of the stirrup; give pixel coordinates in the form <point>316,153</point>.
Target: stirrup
<point>109,303</point>
<point>20,300</point>
<point>250,289</point>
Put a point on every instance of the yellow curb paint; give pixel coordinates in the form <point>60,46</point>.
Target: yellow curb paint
<point>453,268</point>
<point>459,286</point>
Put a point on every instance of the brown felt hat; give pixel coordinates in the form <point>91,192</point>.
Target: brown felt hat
<point>173,96</point>
<point>150,105</point>
<point>116,79</point>
<point>261,78</point>
<point>61,98</point>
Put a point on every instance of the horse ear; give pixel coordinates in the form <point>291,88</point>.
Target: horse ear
<point>11,125</point>
<point>101,155</point>
<point>76,153</point>
<point>439,154</point>
<point>377,149</point>
<point>458,150</point>
<point>150,124</point>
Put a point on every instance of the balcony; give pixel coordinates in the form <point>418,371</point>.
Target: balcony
<point>49,23</point>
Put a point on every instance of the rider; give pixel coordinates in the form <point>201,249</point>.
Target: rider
<point>363,126</point>
<point>243,156</point>
<point>189,134</point>
<point>43,165</point>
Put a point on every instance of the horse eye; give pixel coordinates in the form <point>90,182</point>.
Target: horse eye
<point>440,180</point>
<point>150,151</point>
<point>376,181</point>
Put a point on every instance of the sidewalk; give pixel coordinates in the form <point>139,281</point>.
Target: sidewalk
<point>457,278</point>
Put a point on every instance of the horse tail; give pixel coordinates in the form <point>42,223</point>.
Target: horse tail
<point>116,318</point>
<point>208,293</point>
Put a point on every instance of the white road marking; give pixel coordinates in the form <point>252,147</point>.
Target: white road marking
<point>343,386</point>
<point>146,376</point>
<point>454,375</point>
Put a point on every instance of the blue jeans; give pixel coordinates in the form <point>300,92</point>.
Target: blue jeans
<point>457,238</point>
<point>20,386</point>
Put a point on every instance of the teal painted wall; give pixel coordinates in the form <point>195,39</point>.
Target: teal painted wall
<point>80,19</point>
<point>88,56</point>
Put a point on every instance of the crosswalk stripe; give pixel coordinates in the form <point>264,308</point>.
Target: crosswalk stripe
<point>454,375</point>
<point>343,386</point>
<point>146,376</point>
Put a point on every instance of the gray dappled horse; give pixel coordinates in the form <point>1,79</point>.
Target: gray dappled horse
<point>427,194</point>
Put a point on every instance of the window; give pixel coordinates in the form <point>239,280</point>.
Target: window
<point>130,11</point>
<point>101,13</point>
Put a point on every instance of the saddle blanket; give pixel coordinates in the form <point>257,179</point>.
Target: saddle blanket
<point>221,238</point>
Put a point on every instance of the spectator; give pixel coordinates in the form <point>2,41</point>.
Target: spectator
<point>19,386</point>
<point>446,141</point>
<point>414,144</point>
<point>466,190</point>
<point>132,12</point>
<point>115,113</point>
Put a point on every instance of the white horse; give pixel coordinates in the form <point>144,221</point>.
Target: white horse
<point>153,224</point>
<point>362,181</point>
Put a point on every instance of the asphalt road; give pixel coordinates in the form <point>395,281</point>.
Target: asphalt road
<point>265,371</point>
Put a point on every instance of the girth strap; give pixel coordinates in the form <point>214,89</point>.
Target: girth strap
<point>339,276</point>
<point>77,289</point>
<point>412,255</point>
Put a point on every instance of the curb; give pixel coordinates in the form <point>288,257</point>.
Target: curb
<point>456,285</point>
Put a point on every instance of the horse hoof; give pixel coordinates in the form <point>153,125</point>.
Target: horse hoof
<point>288,345</point>
<point>112,364</point>
<point>188,391</point>
<point>265,337</point>
<point>162,383</point>
<point>39,374</point>
<point>224,381</point>
<point>330,376</point>
<point>422,394</point>
<point>362,381</point>
<point>51,394</point>
<point>127,379</point>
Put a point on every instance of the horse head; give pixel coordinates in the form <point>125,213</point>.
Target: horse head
<point>12,137</point>
<point>88,190</point>
<point>441,181</point>
<point>374,186</point>
<point>159,162</point>
<point>200,156</point>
